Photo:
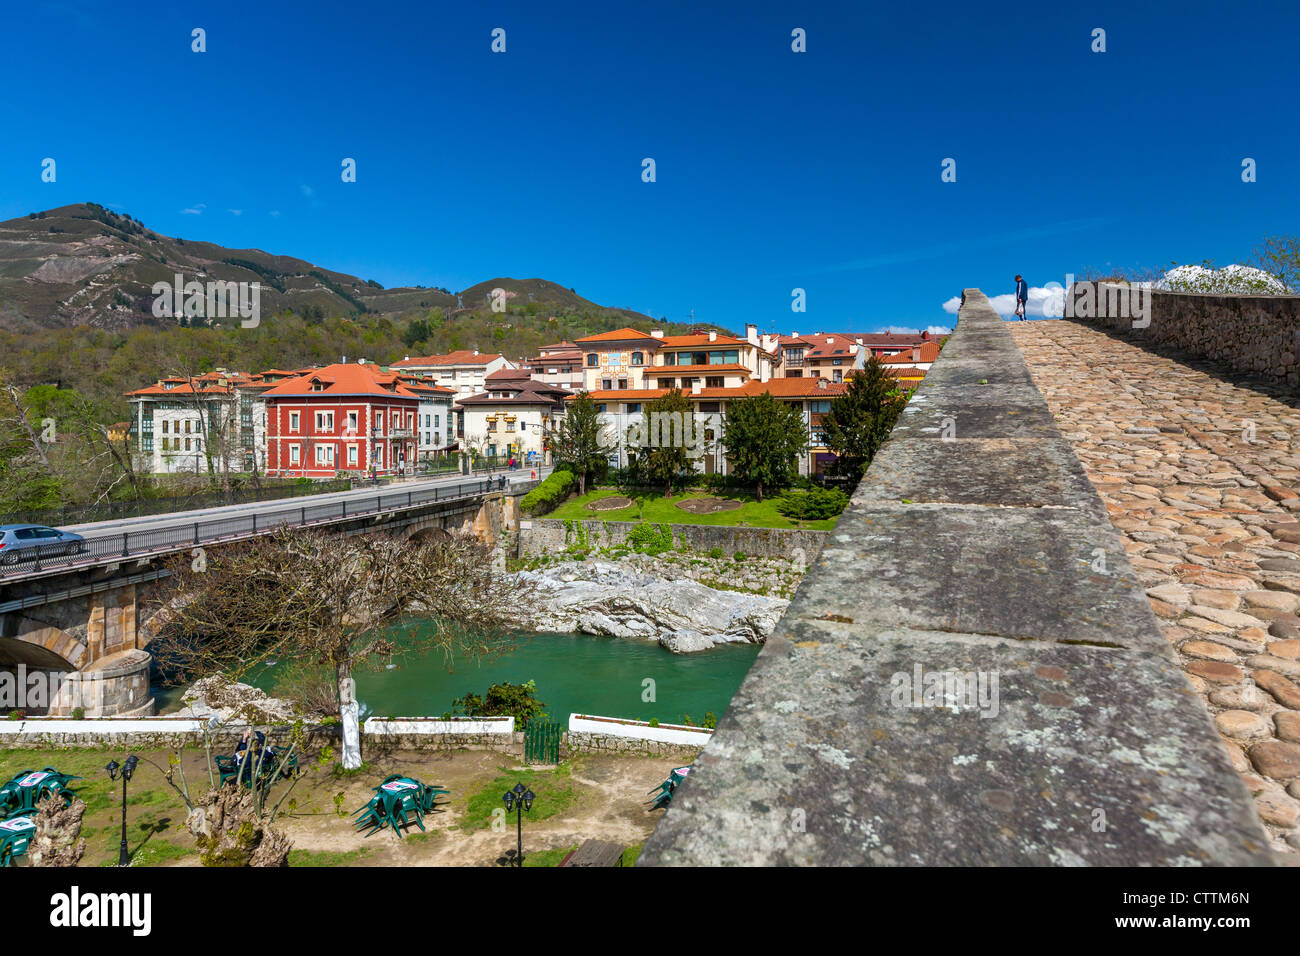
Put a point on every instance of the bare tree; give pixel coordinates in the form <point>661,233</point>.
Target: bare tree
<point>304,596</point>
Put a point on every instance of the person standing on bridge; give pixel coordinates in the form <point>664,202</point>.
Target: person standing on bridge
<point>1022,296</point>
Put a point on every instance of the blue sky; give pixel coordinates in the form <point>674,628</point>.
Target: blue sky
<point>775,170</point>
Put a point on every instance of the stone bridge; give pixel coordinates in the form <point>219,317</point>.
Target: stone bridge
<point>77,633</point>
<point>1056,625</point>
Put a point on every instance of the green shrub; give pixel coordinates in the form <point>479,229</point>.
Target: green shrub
<point>740,555</point>
<point>546,496</point>
<point>650,539</point>
<point>815,504</point>
<point>715,552</point>
<point>503,700</point>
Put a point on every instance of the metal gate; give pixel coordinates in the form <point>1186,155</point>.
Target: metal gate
<point>542,741</point>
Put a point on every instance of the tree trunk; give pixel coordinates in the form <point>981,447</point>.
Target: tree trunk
<point>582,483</point>
<point>348,710</point>
<point>760,492</point>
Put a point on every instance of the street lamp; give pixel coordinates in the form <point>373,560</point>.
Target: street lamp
<point>124,771</point>
<point>518,800</point>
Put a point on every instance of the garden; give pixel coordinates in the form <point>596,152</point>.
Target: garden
<point>815,509</point>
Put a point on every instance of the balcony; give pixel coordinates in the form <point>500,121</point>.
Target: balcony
<point>792,361</point>
<point>401,433</point>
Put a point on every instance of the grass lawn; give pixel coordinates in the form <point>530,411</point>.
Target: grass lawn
<point>658,509</point>
<point>604,796</point>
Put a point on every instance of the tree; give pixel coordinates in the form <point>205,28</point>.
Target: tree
<point>764,438</point>
<point>578,443</point>
<point>301,596</point>
<point>1280,257</point>
<point>668,415</point>
<point>861,419</point>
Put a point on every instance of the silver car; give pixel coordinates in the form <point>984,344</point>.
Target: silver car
<point>27,542</point>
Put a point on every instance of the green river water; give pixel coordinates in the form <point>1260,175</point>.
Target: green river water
<point>574,673</point>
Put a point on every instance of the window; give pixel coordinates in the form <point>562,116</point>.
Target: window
<point>379,456</point>
<point>632,407</point>
<point>492,424</point>
<point>293,421</point>
<point>713,381</point>
<point>352,455</point>
<point>601,409</point>
<point>379,423</point>
<point>510,426</point>
<point>187,426</point>
<point>593,360</point>
<point>324,421</point>
<point>605,384</point>
<point>435,421</point>
<point>638,358</point>
<point>324,454</point>
<point>707,407</point>
<point>622,383</point>
<point>187,443</point>
<point>294,454</point>
<point>353,422</point>
<point>797,373</point>
<point>670,358</point>
<point>838,376</point>
<point>819,408</point>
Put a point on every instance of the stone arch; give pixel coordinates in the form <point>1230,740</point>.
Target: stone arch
<point>40,644</point>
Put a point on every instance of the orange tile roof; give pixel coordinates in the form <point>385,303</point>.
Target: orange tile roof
<point>929,353</point>
<point>687,369</point>
<point>778,387</point>
<point>342,379</point>
<point>686,341</point>
<point>460,357</point>
<point>617,335</point>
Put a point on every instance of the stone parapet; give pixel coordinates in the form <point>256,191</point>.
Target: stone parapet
<point>970,673</point>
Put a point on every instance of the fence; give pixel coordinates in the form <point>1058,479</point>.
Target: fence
<point>243,494</point>
<point>542,741</point>
<point>179,536</point>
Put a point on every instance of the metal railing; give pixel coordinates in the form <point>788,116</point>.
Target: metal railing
<point>123,545</point>
<point>108,510</point>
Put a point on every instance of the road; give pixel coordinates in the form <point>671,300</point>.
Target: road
<point>110,541</point>
<point>245,509</point>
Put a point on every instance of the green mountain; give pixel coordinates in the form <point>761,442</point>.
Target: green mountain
<point>85,265</point>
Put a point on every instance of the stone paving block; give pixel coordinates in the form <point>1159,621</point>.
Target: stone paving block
<point>988,411</point>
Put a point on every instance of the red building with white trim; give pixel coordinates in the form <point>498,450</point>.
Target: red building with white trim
<point>341,418</point>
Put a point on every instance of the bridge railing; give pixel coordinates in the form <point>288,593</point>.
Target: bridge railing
<point>128,544</point>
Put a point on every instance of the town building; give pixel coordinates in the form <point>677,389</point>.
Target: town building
<point>342,418</point>
<point>559,365</point>
<point>513,417</point>
<point>629,359</point>
<point>465,371</point>
<point>190,424</point>
<point>622,409</point>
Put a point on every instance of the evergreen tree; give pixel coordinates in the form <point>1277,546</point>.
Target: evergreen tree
<point>667,461</point>
<point>764,438</point>
<point>578,443</point>
<point>861,419</point>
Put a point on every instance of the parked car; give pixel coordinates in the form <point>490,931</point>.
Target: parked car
<point>27,542</point>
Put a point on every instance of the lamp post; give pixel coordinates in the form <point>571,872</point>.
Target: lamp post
<point>517,799</point>
<point>124,771</point>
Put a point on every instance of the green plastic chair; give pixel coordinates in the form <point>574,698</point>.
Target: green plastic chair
<point>662,795</point>
<point>30,787</point>
<point>15,833</point>
<point>397,799</point>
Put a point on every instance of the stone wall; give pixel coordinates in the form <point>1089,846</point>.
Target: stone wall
<point>540,536</point>
<point>1256,334</point>
<point>970,673</point>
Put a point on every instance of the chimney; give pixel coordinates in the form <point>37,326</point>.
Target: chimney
<point>858,341</point>
<point>925,336</point>
<point>794,335</point>
<point>713,336</point>
<point>406,358</point>
<point>830,340</point>
<point>343,360</point>
<point>751,333</point>
<point>656,333</point>
<point>768,341</point>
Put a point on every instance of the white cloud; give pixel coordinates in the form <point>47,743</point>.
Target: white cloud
<point>1043,303</point>
<point>275,214</point>
<point>235,212</point>
<point>195,210</point>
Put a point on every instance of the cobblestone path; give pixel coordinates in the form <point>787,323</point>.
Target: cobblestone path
<point>1201,477</point>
